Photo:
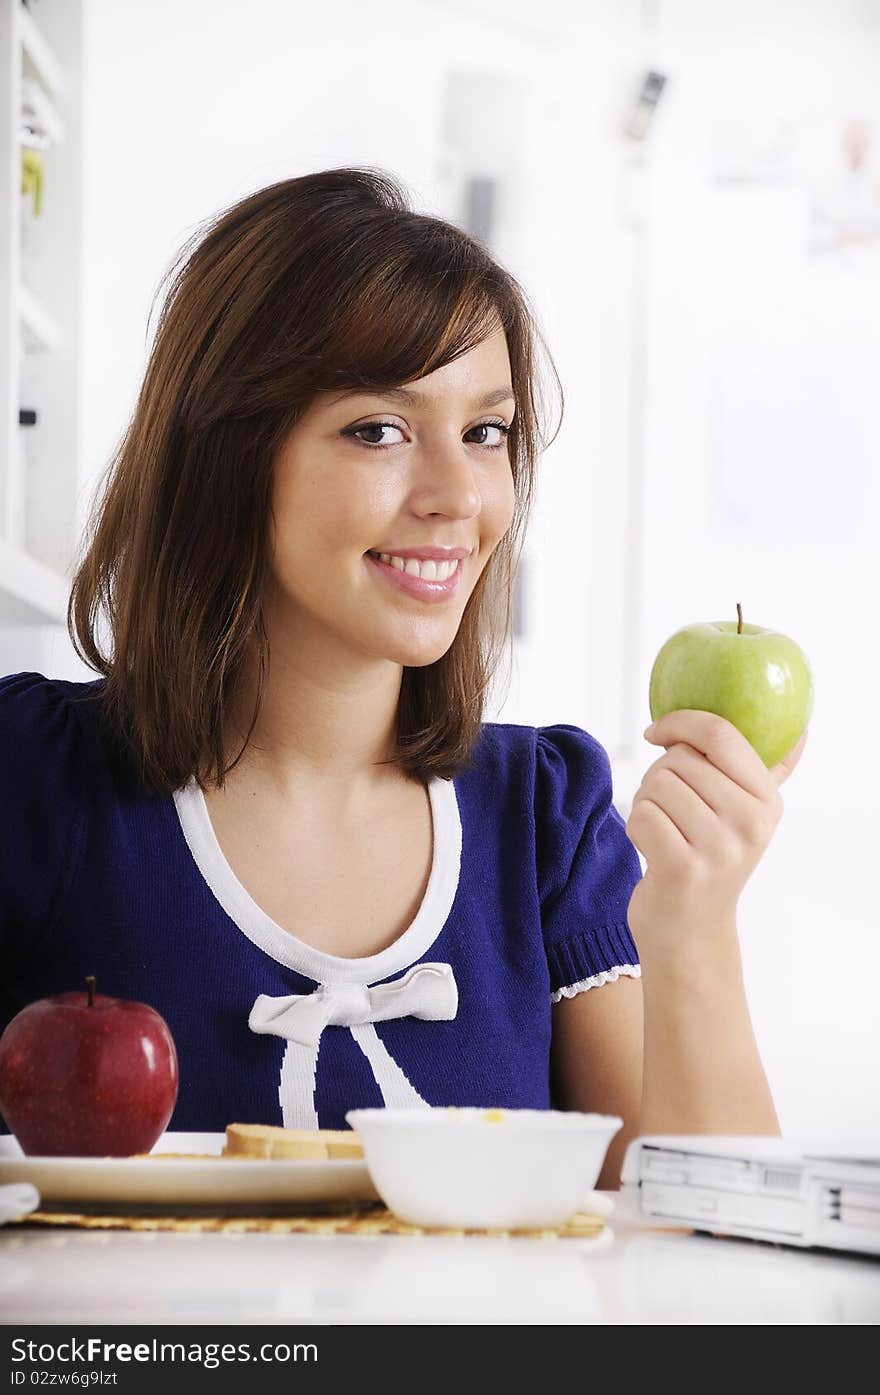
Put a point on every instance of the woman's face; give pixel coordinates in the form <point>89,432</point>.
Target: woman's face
<point>364,480</point>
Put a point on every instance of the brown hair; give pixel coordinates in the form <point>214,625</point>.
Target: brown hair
<point>321,282</point>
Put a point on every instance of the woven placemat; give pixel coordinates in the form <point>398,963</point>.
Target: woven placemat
<point>372,1220</point>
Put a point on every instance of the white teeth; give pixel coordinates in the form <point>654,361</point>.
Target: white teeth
<point>429,570</point>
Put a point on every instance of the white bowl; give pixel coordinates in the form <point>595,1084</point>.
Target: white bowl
<point>484,1168</point>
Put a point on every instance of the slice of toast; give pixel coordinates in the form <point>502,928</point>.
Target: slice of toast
<point>173,1157</point>
<point>271,1141</point>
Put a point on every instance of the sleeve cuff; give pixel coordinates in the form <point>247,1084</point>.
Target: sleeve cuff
<point>582,960</point>
<point>571,990</point>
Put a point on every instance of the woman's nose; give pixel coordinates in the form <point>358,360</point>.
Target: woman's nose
<point>447,484</point>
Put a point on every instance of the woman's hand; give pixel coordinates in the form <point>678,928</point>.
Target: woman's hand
<point>702,818</point>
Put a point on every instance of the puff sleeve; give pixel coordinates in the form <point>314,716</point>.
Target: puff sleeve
<point>42,806</point>
<point>586,865</point>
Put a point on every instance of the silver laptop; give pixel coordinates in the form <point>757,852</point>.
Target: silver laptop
<point>790,1191</point>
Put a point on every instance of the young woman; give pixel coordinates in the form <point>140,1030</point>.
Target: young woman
<point>278,816</point>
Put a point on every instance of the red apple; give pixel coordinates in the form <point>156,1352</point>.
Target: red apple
<point>85,1075</point>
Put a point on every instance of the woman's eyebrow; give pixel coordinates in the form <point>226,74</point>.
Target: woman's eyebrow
<point>416,399</point>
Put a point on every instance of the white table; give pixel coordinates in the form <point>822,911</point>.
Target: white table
<point>630,1274</point>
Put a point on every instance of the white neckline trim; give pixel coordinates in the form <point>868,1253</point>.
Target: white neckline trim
<point>279,944</point>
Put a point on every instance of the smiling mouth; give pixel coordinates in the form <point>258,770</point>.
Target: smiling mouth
<point>429,570</point>
<point>434,581</point>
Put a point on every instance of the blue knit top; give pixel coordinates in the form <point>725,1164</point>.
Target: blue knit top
<point>526,903</point>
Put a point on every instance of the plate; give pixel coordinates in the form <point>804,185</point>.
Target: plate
<point>187,1181</point>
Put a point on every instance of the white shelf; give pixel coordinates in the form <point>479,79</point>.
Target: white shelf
<point>40,61</point>
<point>39,332</point>
<point>40,316</point>
<point>30,593</point>
<point>45,113</point>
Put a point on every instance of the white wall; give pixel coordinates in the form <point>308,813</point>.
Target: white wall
<point>730,277</point>
<point>188,106</point>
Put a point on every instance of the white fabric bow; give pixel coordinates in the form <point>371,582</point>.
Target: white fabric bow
<point>427,991</point>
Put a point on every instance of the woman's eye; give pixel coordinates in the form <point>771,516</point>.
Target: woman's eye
<point>362,433</point>
<point>375,426</point>
<point>503,432</point>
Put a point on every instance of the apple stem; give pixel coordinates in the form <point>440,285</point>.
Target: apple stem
<point>90,984</point>
<point>739,622</point>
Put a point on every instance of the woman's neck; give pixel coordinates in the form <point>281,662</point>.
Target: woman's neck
<point>328,726</point>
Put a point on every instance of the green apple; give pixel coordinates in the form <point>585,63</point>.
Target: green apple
<point>758,679</point>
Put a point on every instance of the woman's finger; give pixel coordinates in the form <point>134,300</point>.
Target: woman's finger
<point>719,741</point>
<point>702,776</point>
<point>680,802</point>
<point>655,835</point>
<point>734,809</point>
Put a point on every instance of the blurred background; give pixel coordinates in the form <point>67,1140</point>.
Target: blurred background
<point>689,192</point>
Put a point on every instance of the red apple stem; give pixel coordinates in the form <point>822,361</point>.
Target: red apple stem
<point>739,622</point>
<point>90,984</point>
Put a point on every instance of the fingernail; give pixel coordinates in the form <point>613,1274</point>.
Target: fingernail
<point>649,731</point>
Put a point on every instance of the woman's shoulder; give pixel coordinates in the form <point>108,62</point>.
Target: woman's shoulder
<point>37,710</point>
<point>33,688</point>
<point>49,767</point>
<point>556,753</point>
<point>48,732</point>
<point>554,774</point>
<point>585,865</point>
